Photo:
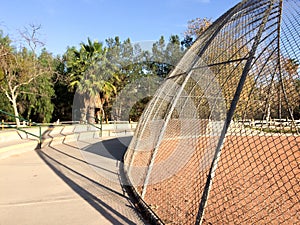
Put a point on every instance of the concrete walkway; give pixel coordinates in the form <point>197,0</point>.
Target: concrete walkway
<point>72,183</point>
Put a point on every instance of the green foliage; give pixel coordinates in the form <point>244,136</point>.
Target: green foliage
<point>36,102</point>
<point>5,106</point>
<point>138,108</point>
<point>134,65</point>
<point>91,74</point>
<point>4,40</point>
<point>35,98</point>
<point>89,69</point>
<point>63,95</point>
<point>96,72</point>
<point>165,56</point>
<point>26,80</point>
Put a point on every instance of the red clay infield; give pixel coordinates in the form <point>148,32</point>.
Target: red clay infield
<point>257,180</point>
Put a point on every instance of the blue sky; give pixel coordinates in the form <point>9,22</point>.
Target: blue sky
<point>69,22</point>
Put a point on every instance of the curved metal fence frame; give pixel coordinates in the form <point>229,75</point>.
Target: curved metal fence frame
<point>197,131</point>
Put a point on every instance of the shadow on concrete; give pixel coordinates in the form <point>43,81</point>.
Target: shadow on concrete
<point>112,148</point>
<point>80,160</point>
<point>79,181</point>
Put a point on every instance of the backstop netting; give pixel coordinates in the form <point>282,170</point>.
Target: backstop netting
<point>219,141</point>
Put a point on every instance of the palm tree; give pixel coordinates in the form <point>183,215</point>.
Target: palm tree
<point>92,75</point>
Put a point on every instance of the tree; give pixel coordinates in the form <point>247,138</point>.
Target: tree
<point>173,52</point>
<point>165,56</point>
<point>275,90</point>
<point>20,67</point>
<point>4,46</point>
<point>90,74</point>
<point>63,95</point>
<point>129,60</point>
<point>289,87</point>
<point>36,97</point>
<point>224,64</point>
<point>195,28</point>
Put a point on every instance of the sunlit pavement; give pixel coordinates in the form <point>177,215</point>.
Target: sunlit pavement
<point>71,183</point>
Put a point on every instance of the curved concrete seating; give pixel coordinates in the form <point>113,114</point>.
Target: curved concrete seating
<point>15,142</point>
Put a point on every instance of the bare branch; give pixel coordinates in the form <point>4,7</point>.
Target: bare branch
<point>30,36</point>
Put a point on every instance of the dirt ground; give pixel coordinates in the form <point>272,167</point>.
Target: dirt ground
<point>256,182</point>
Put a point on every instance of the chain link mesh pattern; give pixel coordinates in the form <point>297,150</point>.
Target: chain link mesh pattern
<point>219,141</point>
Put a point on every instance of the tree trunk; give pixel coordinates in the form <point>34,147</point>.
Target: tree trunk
<point>82,114</point>
<point>87,109</point>
<point>279,104</point>
<point>102,112</point>
<point>83,107</point>
<point>91,111</point>
<point>16,112</point>
<point>91,115</point>
<point>268,113</point>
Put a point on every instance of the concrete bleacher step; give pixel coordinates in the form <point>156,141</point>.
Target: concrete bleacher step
<point>13,141</point>
<point>15,147</point>
<point>64,134</point>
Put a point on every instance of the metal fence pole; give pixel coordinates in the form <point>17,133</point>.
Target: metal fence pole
<point>40,137</point>
<point>230,116</point>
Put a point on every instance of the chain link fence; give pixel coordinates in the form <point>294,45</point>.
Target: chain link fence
<point>219,142</point>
